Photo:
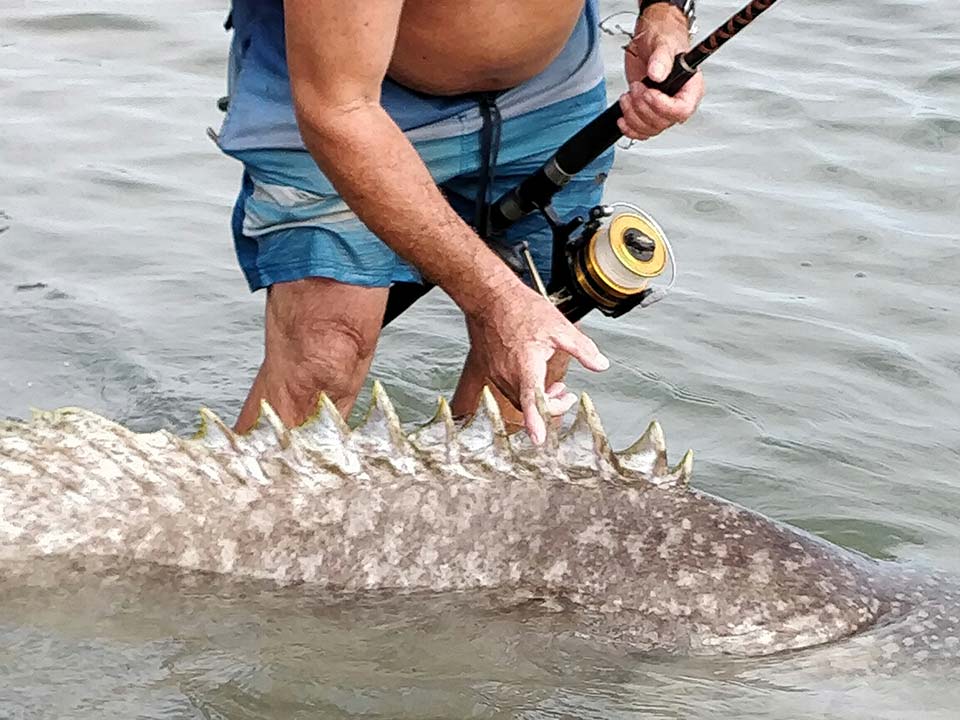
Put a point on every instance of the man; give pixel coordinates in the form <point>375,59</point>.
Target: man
<point>371,134</point>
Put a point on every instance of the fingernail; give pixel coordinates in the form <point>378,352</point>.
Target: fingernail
<point>657,70</point>
<point>602,362</point>
<point>556,389</point>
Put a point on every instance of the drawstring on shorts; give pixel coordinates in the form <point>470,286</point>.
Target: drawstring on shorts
<point>490,132</point>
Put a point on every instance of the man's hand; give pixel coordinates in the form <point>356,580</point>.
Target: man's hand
<point>660,34</point>
<point>516,334</point>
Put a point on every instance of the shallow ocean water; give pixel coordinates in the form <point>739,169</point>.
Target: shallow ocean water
<point>809,355</point>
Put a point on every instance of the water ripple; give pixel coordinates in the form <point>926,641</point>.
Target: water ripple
<point>86,22</point>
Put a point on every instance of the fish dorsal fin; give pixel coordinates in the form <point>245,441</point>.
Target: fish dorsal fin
<point>381,426</point>
<point>233,450</point>
<point>585,444</point>
<point>41,417</point>
<point>272,421</point>
<point>327,435</point>
<point>380,434</point>
<point>545,457</point>
<point>326,425</point>
<point>677,476</point>
<point>438,438</point>
<point>215,433</point>
<point>268,432</point>
<point>484,438</point>
<point>648,455</point>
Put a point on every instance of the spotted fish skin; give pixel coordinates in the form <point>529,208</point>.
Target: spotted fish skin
<point>621,539</point>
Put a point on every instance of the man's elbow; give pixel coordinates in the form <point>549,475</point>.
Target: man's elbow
<point>332,117</point>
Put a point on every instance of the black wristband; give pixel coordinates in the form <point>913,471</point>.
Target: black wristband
<point>687,7</point>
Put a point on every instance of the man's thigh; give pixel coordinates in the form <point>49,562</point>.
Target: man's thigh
<point>290,223</point>
<point>285,232</point>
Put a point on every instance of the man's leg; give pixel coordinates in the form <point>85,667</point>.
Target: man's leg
<point>320,337</point>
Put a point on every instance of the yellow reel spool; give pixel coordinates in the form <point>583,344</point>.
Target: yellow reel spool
<point>621,258</point>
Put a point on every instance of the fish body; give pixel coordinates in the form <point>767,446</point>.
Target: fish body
<point>620,540</point>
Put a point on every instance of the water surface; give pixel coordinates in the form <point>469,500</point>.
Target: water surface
<point>809,355</point>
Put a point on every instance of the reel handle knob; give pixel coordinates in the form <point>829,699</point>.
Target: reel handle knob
<point>639,245</point>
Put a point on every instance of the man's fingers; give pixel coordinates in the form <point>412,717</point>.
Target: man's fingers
<point>693,89</point>
<point>642,120</point>
<point>631,124</point>
<point>661,60</point>
<point>556,389</point>
<point>641,96</point>
<point>557,406</point>
<point>559,399</point>
<point>534,423</point>
<point>532,379</point>
<point>669,109</point>
<point>581,347</point>
<point>681,106</point>
<point>556,401</point>
<point>648,112</point>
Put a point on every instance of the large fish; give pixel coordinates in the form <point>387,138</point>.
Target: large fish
<point>620,540</point>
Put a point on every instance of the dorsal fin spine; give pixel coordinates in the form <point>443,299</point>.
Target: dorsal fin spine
<point>485,429</point>
<point>650,451</point>
<point>382,423</point>
<point>271,419</point>
<point>211,423</point>
<point>326,412</point>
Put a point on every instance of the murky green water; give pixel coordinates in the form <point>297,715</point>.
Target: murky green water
<point>809,355</point>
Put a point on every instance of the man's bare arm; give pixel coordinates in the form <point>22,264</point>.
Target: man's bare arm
<point>338,54</point>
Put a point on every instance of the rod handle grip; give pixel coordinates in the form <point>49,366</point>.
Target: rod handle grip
<point>679,74</point>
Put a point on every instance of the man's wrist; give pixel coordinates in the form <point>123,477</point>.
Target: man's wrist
<point>489,284</point>
<point>681,9</point>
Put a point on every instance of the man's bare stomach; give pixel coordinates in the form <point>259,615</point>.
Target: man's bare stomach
<point>447,47</point>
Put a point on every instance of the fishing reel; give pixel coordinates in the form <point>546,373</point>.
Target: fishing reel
<point>607,262</point>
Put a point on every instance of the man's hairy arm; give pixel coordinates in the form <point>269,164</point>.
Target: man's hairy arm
<point>338,54</point>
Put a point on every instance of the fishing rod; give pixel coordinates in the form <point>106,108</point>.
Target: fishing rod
<point>607,265</point>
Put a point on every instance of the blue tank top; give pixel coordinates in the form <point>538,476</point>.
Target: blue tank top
<point>261,116</point>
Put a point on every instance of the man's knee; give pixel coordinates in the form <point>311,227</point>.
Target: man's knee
<point>321,336</point>
<point>330,355</point>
